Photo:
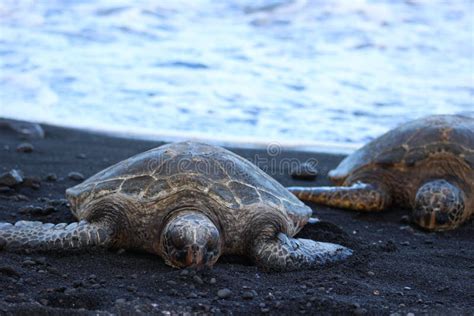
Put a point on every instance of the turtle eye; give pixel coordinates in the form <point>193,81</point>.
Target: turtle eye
<point>211,244</point>
<point>213,240</point>
<point>177,240</point>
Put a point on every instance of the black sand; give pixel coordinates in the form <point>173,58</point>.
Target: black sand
<point>395,269</point>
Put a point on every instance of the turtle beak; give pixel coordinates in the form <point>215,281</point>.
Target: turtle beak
<point>195,256</point>
<point>432,221</point>
<point>427,221</point>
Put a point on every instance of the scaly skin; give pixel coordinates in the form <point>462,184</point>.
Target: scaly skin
<point>47,237</point>
<point>284,253</point>
<point>358,197</point>
<point>271,247</point>
<point>191,239</point>
<point>440,205</point>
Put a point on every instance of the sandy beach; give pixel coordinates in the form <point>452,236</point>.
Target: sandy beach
<point>396,268</point>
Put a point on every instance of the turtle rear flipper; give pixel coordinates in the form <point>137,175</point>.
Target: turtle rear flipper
<point>286,254</point>
<point>28,235</point>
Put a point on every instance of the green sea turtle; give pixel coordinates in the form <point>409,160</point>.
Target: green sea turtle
<point>188,203</point>
<point>426,165</point>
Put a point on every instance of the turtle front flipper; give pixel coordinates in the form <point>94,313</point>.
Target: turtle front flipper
<point>27,235</point>
<point>285,254</point>
<point>359,196</point>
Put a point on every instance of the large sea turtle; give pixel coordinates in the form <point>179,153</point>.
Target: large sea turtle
<point>426,165</point>
<point>188,203</point>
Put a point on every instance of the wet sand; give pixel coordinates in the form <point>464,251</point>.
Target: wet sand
<point>396,268</point>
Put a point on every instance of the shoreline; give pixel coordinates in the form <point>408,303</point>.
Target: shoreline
<point>243,142</point>
<point>395,268</point>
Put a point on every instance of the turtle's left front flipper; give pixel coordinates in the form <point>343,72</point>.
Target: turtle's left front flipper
<point>285,254</point>
<point>27,235</point>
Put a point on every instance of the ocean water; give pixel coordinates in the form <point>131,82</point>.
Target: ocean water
<point>302,72</point>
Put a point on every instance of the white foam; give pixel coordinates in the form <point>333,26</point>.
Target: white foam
<point>224,140</point>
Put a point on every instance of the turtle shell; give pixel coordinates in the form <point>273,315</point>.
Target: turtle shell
<point>229,179</point>
<point>412,142</point>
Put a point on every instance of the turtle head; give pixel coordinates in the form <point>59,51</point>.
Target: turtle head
<point>439,205</point>
<point>191,239</point>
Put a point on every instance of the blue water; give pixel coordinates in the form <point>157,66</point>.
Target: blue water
<point>337,71</point>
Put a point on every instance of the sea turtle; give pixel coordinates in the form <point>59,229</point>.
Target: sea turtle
<point>426,165</point>
<point>188,203</point>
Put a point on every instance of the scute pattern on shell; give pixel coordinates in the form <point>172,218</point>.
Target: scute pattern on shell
<point>413,142</point>
<point>157,173</point>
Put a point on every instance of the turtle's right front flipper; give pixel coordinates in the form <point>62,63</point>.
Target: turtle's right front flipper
<point>283,253</point>
<point>359,196</point>
<point>27,235</point>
